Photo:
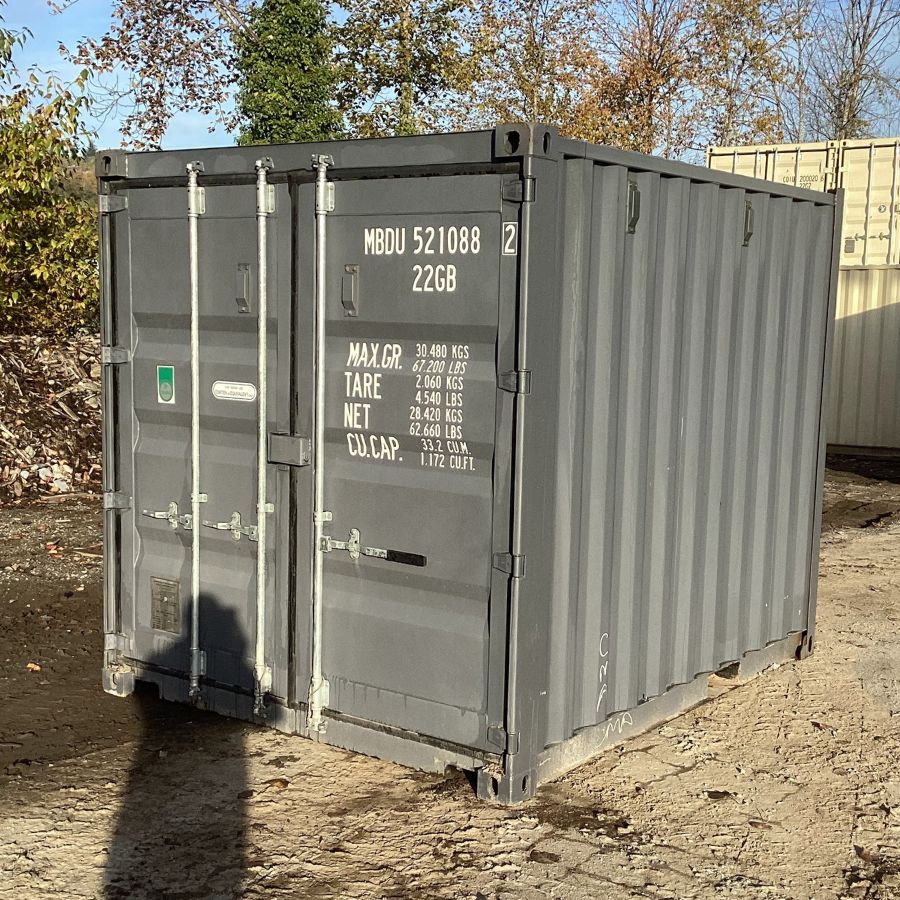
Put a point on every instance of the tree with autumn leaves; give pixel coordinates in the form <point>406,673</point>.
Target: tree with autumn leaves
<point>664,76</point>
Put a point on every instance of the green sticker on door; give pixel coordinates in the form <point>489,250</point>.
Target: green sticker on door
<point>165,384</point>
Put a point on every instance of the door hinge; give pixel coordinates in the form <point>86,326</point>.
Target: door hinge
<point>519,191</point>
<point>289,450</point>
<point>516,382</point>
<point>113,203</point>
<point>112,640</point>
<point>113,356</point>
<point>510,563</point>
<point>116,500</point>
<point>500,737</point>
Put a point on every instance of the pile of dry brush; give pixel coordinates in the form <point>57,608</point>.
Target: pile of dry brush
<point>49,416</point>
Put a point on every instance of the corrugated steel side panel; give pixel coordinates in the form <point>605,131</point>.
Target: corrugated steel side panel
<point>865,396</point>
<point>690,528</point>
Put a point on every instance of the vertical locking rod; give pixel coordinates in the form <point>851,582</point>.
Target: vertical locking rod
<point>262,673</point>
<point>195,210</point>
<point>317,688</point>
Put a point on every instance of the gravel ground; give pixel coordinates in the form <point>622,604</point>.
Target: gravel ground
<point>785,787</point>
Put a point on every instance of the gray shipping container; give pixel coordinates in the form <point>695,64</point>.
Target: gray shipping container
<point>536,441</point>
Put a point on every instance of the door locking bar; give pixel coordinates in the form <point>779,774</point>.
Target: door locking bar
<point>353,546</point>
<point>171,516</point>
<point>235,526</point>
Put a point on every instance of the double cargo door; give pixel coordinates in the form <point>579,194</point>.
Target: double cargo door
<point>406,624</point>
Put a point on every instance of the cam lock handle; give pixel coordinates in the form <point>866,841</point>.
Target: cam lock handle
<point>355,548</point>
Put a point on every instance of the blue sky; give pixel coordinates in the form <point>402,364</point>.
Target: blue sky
<point>90,17</point>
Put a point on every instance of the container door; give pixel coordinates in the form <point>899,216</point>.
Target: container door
<point>413,635</point>
<point>228,401</point>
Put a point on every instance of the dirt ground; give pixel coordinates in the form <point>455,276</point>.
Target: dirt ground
<point>785,787</point>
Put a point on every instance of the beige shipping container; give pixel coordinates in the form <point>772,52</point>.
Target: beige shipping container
<point>864,409</point>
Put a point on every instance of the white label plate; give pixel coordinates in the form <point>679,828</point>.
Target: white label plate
<point>234,390</point>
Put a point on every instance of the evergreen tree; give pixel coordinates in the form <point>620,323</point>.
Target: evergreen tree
<point>286,76</point>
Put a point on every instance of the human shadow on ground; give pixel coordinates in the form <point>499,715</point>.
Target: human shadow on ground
<point>181,828</point>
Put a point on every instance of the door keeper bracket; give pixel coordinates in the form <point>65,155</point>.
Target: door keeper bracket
<point>235,526</point>
<point>289,450</point>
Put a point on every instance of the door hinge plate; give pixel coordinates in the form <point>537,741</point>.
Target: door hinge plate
<point>510,563</point>
<point>515,382</point>
<point>499,737</point>
<point>289,450</point>
<point>112,640</point>
<point>519,191</point>
<point>112,356</point>
<point>116,500</point>
<point>113,203</point>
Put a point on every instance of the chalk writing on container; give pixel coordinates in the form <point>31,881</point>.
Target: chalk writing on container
<point>604,668</point>
<point>616,726</point>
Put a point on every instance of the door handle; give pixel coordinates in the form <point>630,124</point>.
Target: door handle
<point>355,548</point>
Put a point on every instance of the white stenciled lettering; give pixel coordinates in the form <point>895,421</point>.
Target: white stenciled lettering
<point>381,241</point>
<point>429,279</point>
<point>356,415</point>
<point>436,418</point>
<point>374,355</point>
<point>449,240</point>
<point>373,446</point>
<point>363,384</point>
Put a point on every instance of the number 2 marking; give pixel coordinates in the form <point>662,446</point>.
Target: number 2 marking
<point>510,238</point>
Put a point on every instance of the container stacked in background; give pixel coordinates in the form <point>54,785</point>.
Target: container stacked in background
<point>864,403</point>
